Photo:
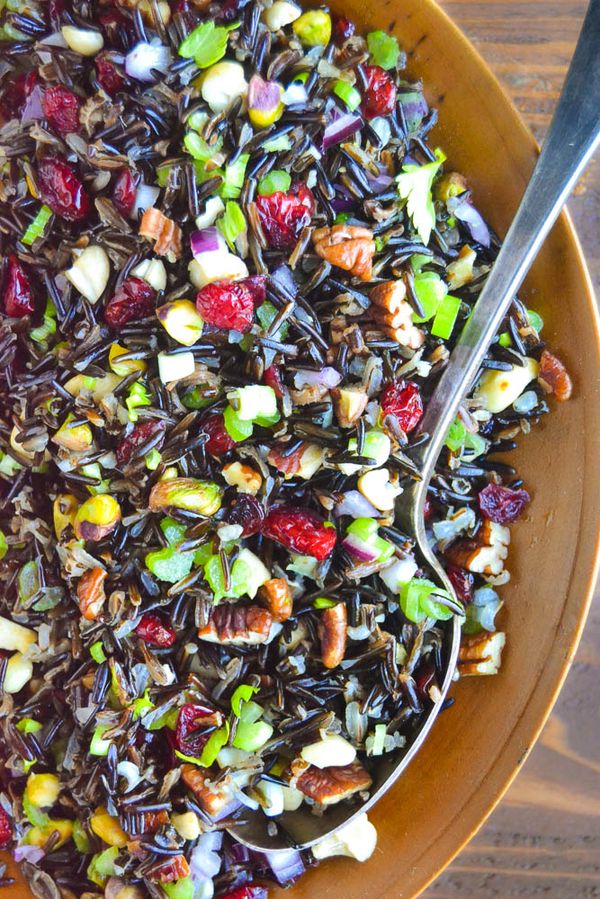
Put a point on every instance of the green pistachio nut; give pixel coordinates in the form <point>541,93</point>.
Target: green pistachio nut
<point>186,493</point>
<point>97,517</point>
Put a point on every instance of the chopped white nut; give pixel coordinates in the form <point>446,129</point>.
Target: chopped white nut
<point>281,14</point>
<point>181,321</point>
<point>216,266</point>
<point>331,750</point>
<point>357,839</point>
<point>14,636</point>
<point>460,271</point>
<point>498,390</point>
<point>271,795</point>
<point>153,272</point>
<point>98,387</point>
<point>375,486</point>
<point>187,825</point>
<point>175,366</point>
<point>212,210</point>
<point>19,671</point>
<point>257,573</point>
<point>481,653</point>
<point>292,799</point>
<point>222,84</point>
<point>244,477</point>
<point>90,272</point>
<point>85,41</point>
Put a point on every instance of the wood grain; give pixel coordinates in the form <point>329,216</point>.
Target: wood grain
<point>544,838</point>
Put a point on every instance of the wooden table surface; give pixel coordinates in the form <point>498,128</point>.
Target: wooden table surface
<point>544,838</point>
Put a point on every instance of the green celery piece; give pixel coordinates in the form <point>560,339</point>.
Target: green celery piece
<point>342,217</point>
<point>322,602</point>
<point>142,706</point>
<point>363,528</point>
<point>3,545</point>
<point>252,736</point>
<point>418,260</point>
<point>203,553</point>
<point>97,652</point>
<point>430,291</point>
<point>37,226</point>
<point>348,94</point>
<point>232,223</point>
<point>173,531</point>
<point>194,399</point>
<point>275,180</point>
<point>33,813</point>
<point>152,459</point>
<point>168,564</point>
<point>80,838</point>
<point>8,465</point>
<point>383,48</point>
<point>180,889</point>
<point>385,548</point>
<point>414,186</point>
<point>29,726</point>
<point>213,572</point>
<point>207,43</point>
<point>98,746</point>
<point>455,438</point>
<point>237,429</point>
<point>138,396</point>
<point>241,694</point>
<point>476,443</point>
<point>278,144</point>
<point>197,147</point>
<point>445,317</point>
<point>211,749</point>
<point>48,326</point>
<point>102,866</point>
<point>234,178</point>
<point>417,605</point>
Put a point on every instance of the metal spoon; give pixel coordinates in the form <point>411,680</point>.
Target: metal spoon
<point>571,140</point>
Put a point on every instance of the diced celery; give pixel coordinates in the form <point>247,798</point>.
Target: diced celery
<point>445,317</point>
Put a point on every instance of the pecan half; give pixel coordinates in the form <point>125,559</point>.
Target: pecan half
<point>90,593</point>
<point>330,785</point>
<point>485,554</point>
<point>349,247</point>
<point>163,231</point>
<point>212,797</point>
<point>332,632</point>
<point>237,625</point>
<point>393,314</point>
<point>555,376</point>
<point>276,596</point>
<point>481,653</point>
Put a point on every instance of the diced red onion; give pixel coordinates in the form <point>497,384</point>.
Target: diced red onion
<point>31,854</point>
<point>341,204</point>
<point>205,861</point>
<point>326,377</point>
<point>462,209</point>
<point>286,865</point>
<point>207,241</point>
<point>415,108</point>
<point>380,182</point>
<point>360,549</point>
<point>146,58</point>
<point>355,505</point>
<point>341,129</point>
<point>145,197</point>
<point>33,110</point>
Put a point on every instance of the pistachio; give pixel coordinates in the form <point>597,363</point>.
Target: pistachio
<point>108,828</point>
<point>78,438</point>
<point>314,28</point>
<point>186,493</point>
<point>64,509</point>
<point>128,366</point>
<point>85,41</point>
<point>18,672</point>
<point>90,272</point>
<point>265,106</point>
<point>222,84</point>
<point>181,321</point>
<point>280,14</point>
<point>153,272</point>
<point>97,517</point>
<point>42,789</point>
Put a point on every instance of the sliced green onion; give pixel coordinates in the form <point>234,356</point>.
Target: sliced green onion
<point>233,178</point>
<point>207,43</point>
<point>138,396</point>
<point>535,320</point>
<point>152,459</point>
<point>455,437</point>
<point>180,889</point>
<point>383,48</point>
<point>48,326</point>
<point>417,604</point>
<point>98,746</point>
<point>277,144</point>
<point>197,147</point>
<point>505,339</point>
<point>276,180</point>
<point>237,429</point>
<point>29,726</point>
<point>445,317</point>
<point>232,223</point>
<point>97,652</point>
<point>102,866</point>
<point>37,226</point>
<point>348,94</point>
<point>322,602</point>
<point>430,291</point>
<point>242,694</point>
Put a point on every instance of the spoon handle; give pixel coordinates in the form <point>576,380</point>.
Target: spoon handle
<point>573,135</point>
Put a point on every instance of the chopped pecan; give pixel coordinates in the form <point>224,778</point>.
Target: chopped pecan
<point>349,247</point>
<point>90,593</point>
<point>555,376</point>
<point>480,653</point>
<point>237,625</point>
<point>332,632</point>
<point>486,553</point>
<point>245,478</point>
<point>166,234</point>
<point>313,393</point>
<point>393,314</point>
<point>175,868</point>
<point>276,596</point>
<point>151,821</point>
<point>330,785</point>
<point>349,404</point>
<point>460,272</point>
<point>304,462</point>
<point>212,797</point>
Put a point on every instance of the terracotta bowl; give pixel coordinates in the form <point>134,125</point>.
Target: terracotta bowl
<point>478,746</point>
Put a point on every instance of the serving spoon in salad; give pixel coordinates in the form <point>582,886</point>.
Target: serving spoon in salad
<point>572,138</point>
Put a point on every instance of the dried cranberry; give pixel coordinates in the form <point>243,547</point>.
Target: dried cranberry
<point>257,285</point>
<point>403,401</point>
<point>119,28</point>
<point>15,94</point>
<point>428,511</point>
<point>192,729</point>
<point>61,108</point>
<point>109,77</point>
<point>17,296</point>
<point>134,299</point>
<point>380,96</point>
<point>424,677</point>
<point>141,434</point>
<point>5,829</point>
<point>231,9</point>
<point>462,581</point>
<point>284,215</point>
<point>219,442</point>
<point>247,892</point>
<point>62,191</point>
<point>343,29</point>
<point>300,530</point>
<point>153,630</point>
<point>502,504</point>
<point>272,378</point>
<point>124,192</point>
<point>55,11</point>
<point>246,511</point>
<point>226,304</point>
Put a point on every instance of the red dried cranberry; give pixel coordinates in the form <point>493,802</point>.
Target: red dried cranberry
<point>62,191</point>
<point>502,504</point>
<point>246,511</point>
<point>109,77</point>
<point>247,892</point>
<point>284,215</point>
<point>61,108</point>
<point>17,296</point>
<point>119,28</point>
<point>427,511</point>
<point>15,94</point>
<point>462,581</point>
<point>231,9</point>
<point>192,728</point>
<point>300,530</point>
<point>153,630</point>
<point>343,29</point>
<point>257,285</point>
<point>424,677</point>
<point>219,442</point>
<point>403,401</point>
<point>380,95</point>
<point>226,304</point>
<point>141,434</point>
<point>134,299</point>
<point>124,192</point>
<point>272,378</point>
<point>5,829</point>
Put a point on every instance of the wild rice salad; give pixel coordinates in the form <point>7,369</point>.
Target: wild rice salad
<point>232,271</point>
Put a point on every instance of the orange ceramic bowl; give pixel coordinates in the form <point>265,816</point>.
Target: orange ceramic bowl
<point>478,745</point>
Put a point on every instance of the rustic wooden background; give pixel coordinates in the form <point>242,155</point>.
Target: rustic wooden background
<point>544,838</point>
